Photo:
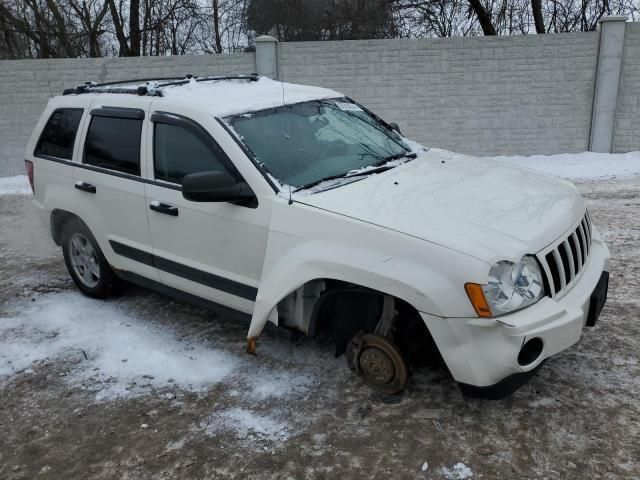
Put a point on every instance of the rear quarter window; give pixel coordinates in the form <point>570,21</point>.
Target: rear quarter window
<point>59,134</point>
<point>114,143</point>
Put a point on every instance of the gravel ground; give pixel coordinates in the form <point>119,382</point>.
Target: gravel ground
<point>294,411</point>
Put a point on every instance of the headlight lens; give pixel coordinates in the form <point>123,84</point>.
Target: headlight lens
<point>513,286</point>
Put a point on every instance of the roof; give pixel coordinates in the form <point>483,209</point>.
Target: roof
<point>230,97</point>
<point>220,97</point>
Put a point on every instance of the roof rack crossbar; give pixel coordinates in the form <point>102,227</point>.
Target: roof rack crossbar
<point>134,80</point>
<point>90,87</point>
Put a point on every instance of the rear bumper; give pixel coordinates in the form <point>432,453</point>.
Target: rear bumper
<point>484,352</point>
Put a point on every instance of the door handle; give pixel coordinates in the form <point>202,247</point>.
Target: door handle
<point>85,187</point>
<point>164,208</point>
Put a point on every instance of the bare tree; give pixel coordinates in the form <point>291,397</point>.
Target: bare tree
<point>93,28</point>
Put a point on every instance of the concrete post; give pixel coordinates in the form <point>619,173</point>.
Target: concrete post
<point>607,83</point>
<point>267,56</point>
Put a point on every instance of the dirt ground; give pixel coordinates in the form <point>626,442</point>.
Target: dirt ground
<point>579,418</point>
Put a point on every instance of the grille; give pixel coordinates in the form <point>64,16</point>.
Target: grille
<point>563,262</point>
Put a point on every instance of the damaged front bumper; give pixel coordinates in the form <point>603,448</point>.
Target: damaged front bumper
<point>487,357</point>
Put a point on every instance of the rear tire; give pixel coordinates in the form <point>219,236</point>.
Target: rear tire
<point>87,266</point>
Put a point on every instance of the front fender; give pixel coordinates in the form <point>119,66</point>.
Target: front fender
<point>324,245</point>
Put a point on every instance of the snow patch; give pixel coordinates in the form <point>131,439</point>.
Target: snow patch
<point>247,425</point>
<point>544,402</point>
<point>108,350</point>
<point>176,445</point>
<point>279,384</point>
<point>458,472</point>
<point>18,185</point>
<point>580,166</point>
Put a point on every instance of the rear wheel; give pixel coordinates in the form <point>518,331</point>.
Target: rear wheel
<point>86,264</point>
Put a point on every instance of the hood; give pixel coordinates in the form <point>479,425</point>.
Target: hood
<point>480,207</point>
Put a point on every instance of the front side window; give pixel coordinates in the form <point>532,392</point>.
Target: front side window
<point>178,152</point>
<point>114,143</point>
<point>305,143</point>
<point>59,134</point>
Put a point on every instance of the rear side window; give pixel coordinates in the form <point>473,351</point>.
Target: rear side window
<point>114,143</point>
<point>178,152</point>
<point>59,134</point>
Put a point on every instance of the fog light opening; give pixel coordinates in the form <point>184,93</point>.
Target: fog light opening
<point>530,352</point>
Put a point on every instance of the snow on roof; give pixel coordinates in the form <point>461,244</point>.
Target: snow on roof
<point>229,97</point>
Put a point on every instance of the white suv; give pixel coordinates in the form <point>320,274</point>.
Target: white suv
<point>296,205</point>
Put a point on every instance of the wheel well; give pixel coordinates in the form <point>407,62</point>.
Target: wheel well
<point>58,219</point>
<point>344,309</point>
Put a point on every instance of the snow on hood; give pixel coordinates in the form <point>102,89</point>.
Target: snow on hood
<point>480,207</point>
<point>230,97</point>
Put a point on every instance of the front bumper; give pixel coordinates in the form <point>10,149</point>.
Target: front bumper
<point>484,352</point>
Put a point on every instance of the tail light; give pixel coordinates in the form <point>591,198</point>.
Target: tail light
<point>29,165</point>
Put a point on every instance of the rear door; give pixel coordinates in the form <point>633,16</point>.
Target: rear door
<point>109,186</point>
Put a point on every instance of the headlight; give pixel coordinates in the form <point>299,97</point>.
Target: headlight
<point>511,287</point>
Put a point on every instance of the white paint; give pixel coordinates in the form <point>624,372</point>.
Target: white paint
<point>18,185</point>
<point>448,198</point>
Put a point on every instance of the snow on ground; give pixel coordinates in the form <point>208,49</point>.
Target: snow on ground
<point>18,185</point>
<point>458,472</point>
<point>580,166</point>
<point>110,353</point>
<point>113,354</point>
<point>267,384</point>
<point>247,425</point>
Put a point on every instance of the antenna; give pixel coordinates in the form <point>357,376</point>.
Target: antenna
<point>287,136</point>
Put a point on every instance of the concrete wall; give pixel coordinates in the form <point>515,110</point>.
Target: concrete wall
<point>480,95</point>
<point>627,127</point>
<point>26,85</point>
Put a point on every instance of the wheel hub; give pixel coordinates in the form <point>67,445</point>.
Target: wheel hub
<point>379,362</point>
<point>84,260</point>
<point>376,365</point>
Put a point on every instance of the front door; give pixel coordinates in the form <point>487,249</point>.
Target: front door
<point>212,250</point>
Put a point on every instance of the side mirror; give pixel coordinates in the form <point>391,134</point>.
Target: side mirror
<point>395,126</point>
<point>217,187</point>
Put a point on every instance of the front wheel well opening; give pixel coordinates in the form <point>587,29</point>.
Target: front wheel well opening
<point>344,310</point>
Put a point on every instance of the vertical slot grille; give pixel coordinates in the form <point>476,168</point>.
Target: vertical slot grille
<point>555,275</point>
<point>564,256</point>
<point>574,254</point>
<point>583,244</point>
<point>563,263</point>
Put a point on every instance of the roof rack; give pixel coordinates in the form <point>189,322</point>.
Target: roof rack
<point>150,90</point>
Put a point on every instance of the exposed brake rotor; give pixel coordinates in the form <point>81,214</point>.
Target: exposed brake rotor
<point>379,362</point>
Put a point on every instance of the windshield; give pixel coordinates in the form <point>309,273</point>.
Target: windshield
<point>306,143</point>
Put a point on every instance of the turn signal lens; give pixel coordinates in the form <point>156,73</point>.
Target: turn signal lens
<point>479,302</point>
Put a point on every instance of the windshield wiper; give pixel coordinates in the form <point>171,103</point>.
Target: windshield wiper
<point>325,179</point>
<point>397,156</point>
<point>381,166</point>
